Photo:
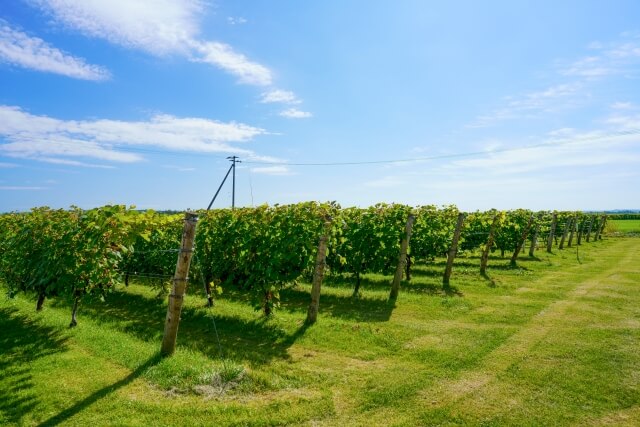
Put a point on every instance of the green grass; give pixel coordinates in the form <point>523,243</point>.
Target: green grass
<point>625,226</point>
<point>552,342</point>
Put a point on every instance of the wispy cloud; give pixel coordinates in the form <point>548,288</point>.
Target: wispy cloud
<point>180,168</point>
<point>628,121</point>
<point>19,49</point>
<point>158,27</point>
<point>564,159</point>
<point>232,20</point>
<point>532,104</point>
<point>565,149</point>
<point>8,165</point>
<point>574,79</point>
<point>272,170</point>
<point>390,181</point>
<point>294,113</point>
<point>223,56</point>
<point>622,106</point>
<point>20,188</point>
<point>62,141</point>
<point>279,96</point>
<point>590,67</point>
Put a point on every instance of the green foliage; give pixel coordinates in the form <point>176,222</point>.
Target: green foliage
<point>368,240</point>
<point>260,249</point>
<point>477,226</point>
<point>75,253</point>
<point>508,235</point>
<point>433,231</point>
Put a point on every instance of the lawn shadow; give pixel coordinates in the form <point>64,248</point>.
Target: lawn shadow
<point>491,282</point>
<point>255,341</point>
<point>433,289</point>
<point>103,392</point>
<point>296,300</point>
<point>346,281</point>
<point>22,341</point>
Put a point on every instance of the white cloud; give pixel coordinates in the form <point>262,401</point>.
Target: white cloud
<point>294,113</point>
<point>155,26</point>
<point>279,96</point>
<point>591,66</point>
<point>606,60</point>
<point>272,170</point>
<point>390,181</point>
<point>625,121</point>
<point>574,150</point>
<point>20,188</point>
<point>236,20</point>
<point>533,104</point>
<point>18,48</point>
<point>613,58</point>
<point>180,168</point>
<point>7,165</point>
<point>223,56</point>
<point>53,140</point>
<point>622,106</point>
<point>625,51</point>
<point>158,27</point>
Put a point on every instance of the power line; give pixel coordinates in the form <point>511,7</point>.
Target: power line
<point>119,148</point>
<point>456,155</point>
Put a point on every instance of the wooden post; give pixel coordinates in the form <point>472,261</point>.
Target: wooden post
<point>179,285</point>
<point>593,218</point>
<point>554,220</point>
<point>565,232</point>
<point>402,258</point>
<point>574,224</point>
<point>534,240</point>
<point>452,251</point>
<point>485,251</point>
<point>600,228</point>
<point>604,223</point>
<point>525,233</point>
<point>318,273</point>
<point>581,230</point>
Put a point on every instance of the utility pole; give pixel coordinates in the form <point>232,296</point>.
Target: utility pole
<point>234,160</point>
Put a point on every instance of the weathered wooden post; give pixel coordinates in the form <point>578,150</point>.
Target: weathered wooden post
<point>604,224</point>
<point>318,273</point>
<point>593,218</point>
<point>581,230</point>
<point>554,220</point>
<point>402,258</point>
<point>600,228</point>
<point>452,251</point>
<point>180,280</point>
<point>534,240</point>
<point>565,233</point>
<point>487,248</point>
<point>574,227</point>
<point>525,233</point>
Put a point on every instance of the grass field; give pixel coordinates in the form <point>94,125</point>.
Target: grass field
<point>626,225</point>
<point>553,342</point>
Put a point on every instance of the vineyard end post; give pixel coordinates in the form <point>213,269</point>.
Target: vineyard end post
<point>180,279</point>
<point>402,258</point>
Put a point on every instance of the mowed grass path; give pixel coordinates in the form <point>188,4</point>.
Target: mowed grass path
<point>626,225</point>
<point>553,342</point>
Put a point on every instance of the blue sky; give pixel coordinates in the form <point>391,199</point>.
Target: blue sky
<point>141,102</point>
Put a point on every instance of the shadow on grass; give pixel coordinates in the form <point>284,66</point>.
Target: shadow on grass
<point>346,281</point>
<point>295,300</point>
<point>22,341</point>
<point>256,341</point>
<point>103,392</point>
